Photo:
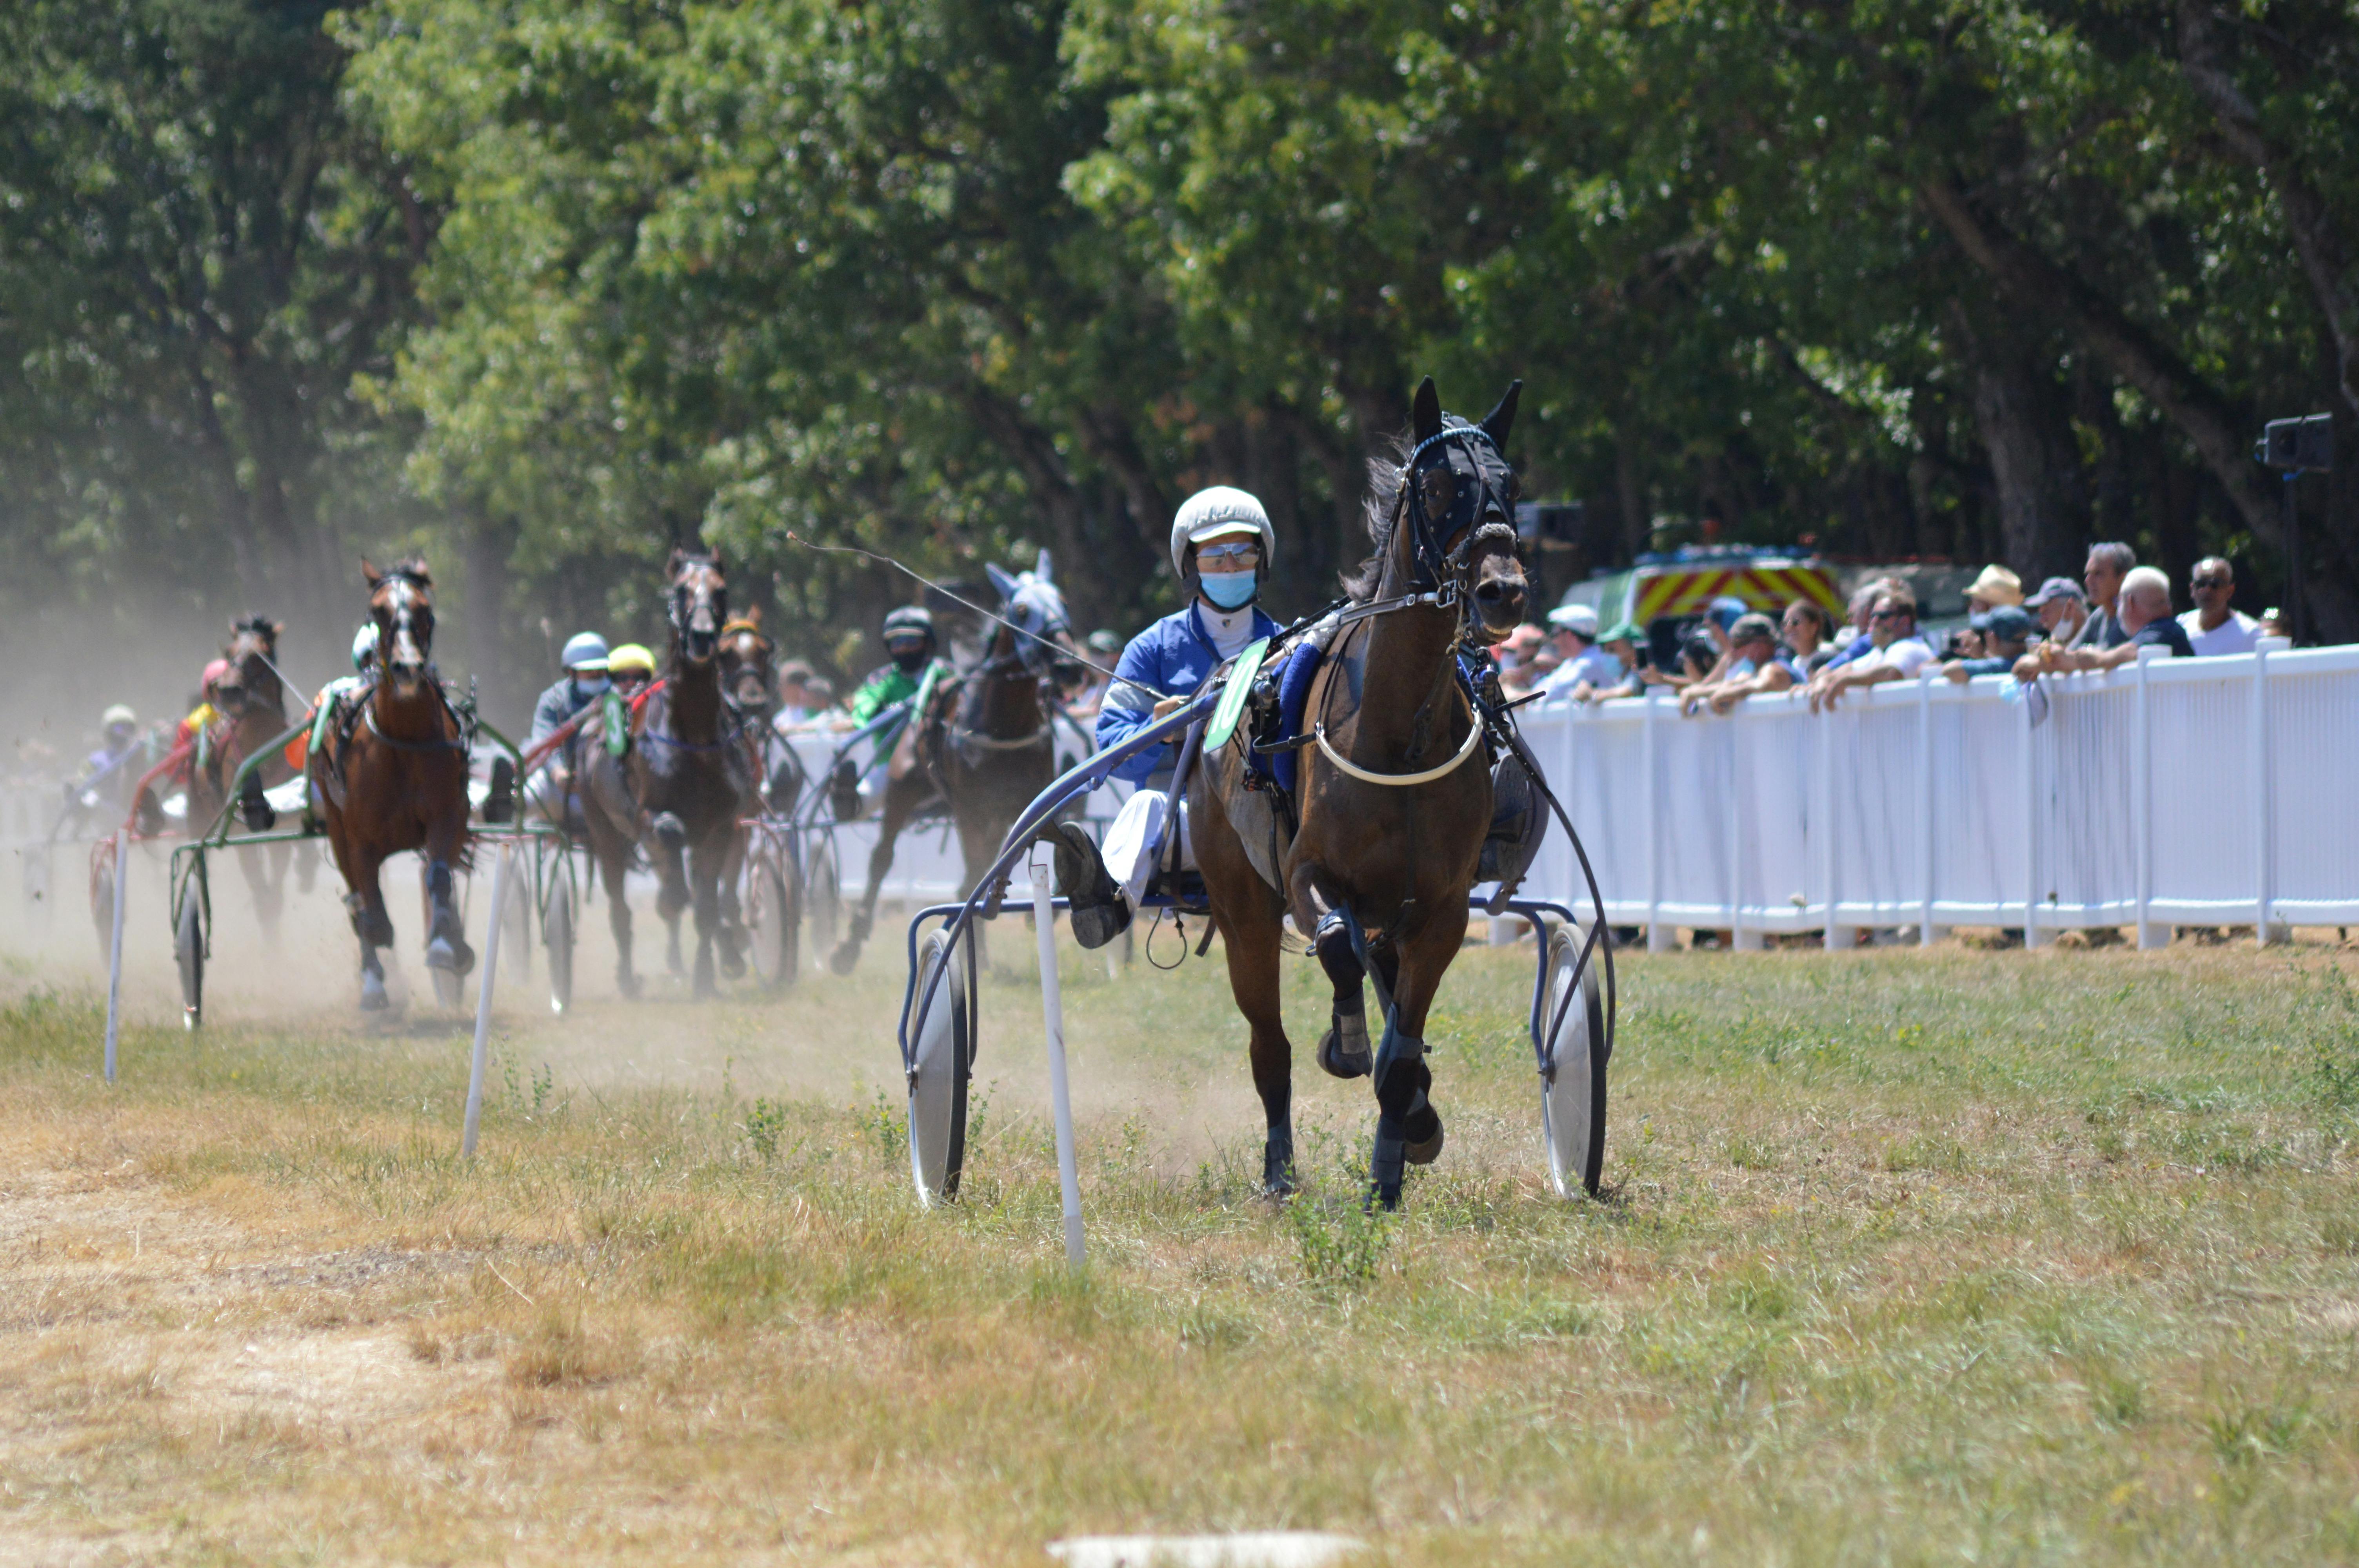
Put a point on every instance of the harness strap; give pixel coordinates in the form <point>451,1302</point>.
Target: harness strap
<point>1399,781</point>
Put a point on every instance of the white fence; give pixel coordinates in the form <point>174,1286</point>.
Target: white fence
<point>2211,792</point>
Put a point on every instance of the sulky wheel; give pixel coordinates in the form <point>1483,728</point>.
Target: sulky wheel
<point>823,896</point>
<point>188,953</point>
<point>1572,1085</point>
<point>943,1048</point>
<point>770,920</point>
<point>557,936</point>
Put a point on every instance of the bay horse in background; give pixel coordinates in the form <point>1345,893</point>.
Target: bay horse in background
<point>394,778</point>
<point>1387,840</point>
<point>985,742</point>
<point>252,703</point>
<point>689,769</point>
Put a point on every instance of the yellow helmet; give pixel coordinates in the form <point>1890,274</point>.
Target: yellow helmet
<point>629,657</point>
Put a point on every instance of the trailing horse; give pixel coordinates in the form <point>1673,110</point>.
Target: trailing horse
<point>1375,844</point>
<point>983,741</point>
<point>251,701</point>
<point>391,774</point>
<point>690,774</point>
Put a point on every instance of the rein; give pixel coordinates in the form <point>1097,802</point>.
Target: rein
<point>1401,781</point>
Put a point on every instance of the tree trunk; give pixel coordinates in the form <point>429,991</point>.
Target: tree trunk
<point>2020,418</point>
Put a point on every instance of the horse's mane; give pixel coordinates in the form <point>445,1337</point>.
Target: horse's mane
<point>260,626</point>
<point>411,567</point>
<point>1386,473</point>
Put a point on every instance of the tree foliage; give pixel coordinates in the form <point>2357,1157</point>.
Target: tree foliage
<point>953,279</point>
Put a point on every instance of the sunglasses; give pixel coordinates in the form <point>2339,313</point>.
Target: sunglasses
<point>1896,615</point>
<point>2209,582</point>
<point>1240,555</point>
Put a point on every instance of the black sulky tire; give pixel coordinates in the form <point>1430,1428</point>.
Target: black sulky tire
<point>188,953</point>
<point>1572,1088</point>
<point>823,899</point>
<point>943,1046</point>
<point>769,922</point>
<point>557,936</point>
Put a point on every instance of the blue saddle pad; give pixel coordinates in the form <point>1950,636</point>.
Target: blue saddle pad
<point>1293,697</point>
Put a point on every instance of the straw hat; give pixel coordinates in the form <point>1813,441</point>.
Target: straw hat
<point>1997,586</point>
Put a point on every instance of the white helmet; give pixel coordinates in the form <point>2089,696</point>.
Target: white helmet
<point>1221,510</point>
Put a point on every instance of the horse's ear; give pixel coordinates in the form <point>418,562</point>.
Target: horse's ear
<point>671,567</point>
<point>1425,412</point>
<point>1500,420</point>
<point>375,577</point>
<point>1042,568</point>
<point>278,630</point>
<point>1001,580</point>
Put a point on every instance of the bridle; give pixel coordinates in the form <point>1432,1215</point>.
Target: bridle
<point>685,603</point>
<point>1442,551</point>
<point>399,615</point>
<point>1031,655</point>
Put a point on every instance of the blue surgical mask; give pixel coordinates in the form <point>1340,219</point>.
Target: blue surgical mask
<point>1230,590</point>
<point>591,686</point>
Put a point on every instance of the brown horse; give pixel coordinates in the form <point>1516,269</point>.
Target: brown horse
<point>394,777</point>
<point>689,769</point>
<point>252,703</point>
<point>985,743</point>
<point>1389,823</point>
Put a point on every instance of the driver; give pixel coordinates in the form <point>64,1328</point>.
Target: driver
<point>107,773</point>
<point>583,682</point>
<point>1222,547</point>
<point>910,644</point>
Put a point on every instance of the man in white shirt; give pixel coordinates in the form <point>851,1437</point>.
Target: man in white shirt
<point>1897,651</point>
<point>1572,632</point>
<point>2214,626</point>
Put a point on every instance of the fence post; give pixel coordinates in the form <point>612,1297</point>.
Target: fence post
<point>2032,935</point>
<point>1925,802</point>
<point>1060,1097</point>
<point>1824,724</point>
<point>2149,935</point>
<point>115,951</point>
<point>475,1118</point>
<point>1743,940</point>
<point>1660,938</point>
<point>2264,892</point>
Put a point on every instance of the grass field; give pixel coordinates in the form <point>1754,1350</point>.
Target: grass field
<point>1998,1257</point>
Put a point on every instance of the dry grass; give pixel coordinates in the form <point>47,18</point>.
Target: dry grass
<point>2015,1257</point>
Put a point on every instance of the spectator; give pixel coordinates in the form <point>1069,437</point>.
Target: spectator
<point>2006,637</point>
<point>1995,586</point>
<point>1810,636</point>
<point>1861,643</point>
<point>1572,632</point>
<point>2061,608</point>
<point>2215,626</point>
<point>1759,668</point>
<point>1897,653</point>
<point>1103,649</point>
<point>2107,565</point>
<point>2144,603</point>
<point>795,707</point>
<point>2276,623</point>
<point>820,692</point>
<point>1621,642</point>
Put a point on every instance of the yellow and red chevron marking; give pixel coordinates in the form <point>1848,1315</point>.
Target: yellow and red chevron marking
<point>1691,591</point>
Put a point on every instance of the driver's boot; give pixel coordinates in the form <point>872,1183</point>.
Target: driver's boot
<point>1099,913</point>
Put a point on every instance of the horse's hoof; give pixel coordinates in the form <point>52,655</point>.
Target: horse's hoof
<point>1344,1049</point>
<point>843,960</point>
<point>628,984</point>
<point>442,953</point>
<point>733,968</point>
<point>1421,1134</point>
<point>670,832</point>
<point>1278,1175</point>
<point>373,996</point>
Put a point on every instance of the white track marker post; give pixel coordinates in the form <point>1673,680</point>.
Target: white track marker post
<point>483,1007</point>
<point>114,954</point>
<point>1060,1097</point>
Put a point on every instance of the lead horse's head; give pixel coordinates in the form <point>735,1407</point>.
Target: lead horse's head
<point>401,602</point>
<point>1442,516</point>
<point>1037,634</point>
<point>699,604</point>
<point>252,684</point>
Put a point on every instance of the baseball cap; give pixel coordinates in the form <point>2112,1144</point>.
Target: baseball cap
<point>1751,625</point>
<point>1620,632</point>
<point>2056,587</point>
<point>2008,622</point>
<point>1726,609</point>
<point>1576,618</point>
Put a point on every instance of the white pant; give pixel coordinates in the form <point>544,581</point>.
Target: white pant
<point>1134,841</point>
